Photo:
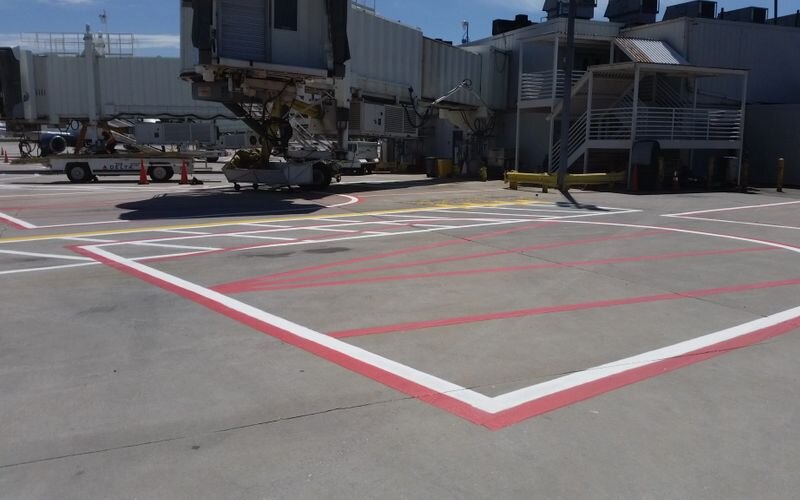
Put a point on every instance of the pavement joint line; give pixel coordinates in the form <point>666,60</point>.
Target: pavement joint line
<point>204,225</point>
<point>491,412</point>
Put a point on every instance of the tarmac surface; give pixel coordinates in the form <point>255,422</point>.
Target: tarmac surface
<point>395,337</point>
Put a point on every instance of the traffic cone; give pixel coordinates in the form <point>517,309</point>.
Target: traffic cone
<point>143,174</point>
<point>184,175</point>
<point>5,156</point>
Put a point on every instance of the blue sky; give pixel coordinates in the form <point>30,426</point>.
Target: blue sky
<point>159,18</point>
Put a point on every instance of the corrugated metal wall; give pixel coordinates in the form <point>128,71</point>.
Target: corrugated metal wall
<point>386,57</point>
<point>67,87</point>
<point>771,133</point>
<point>148,85</point>
<point>769,52</point>
<point>444,67</point>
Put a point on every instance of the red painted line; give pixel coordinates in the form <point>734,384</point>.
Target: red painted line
<point>581,306</point>
<point>442,401</point>
<point>457,258</point>
<point>407,250</point>
<point>400,384</point>
<point>248,287</point>
<point>12,224</point>
<point>592,389</point>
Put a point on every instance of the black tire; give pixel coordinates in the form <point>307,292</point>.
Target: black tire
<point>212,159</point>
<point>79,173</point>
<point>161,173</point>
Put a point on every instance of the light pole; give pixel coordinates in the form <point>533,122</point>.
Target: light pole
<point>567,98</point>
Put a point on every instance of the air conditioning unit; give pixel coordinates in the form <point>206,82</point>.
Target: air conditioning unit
<point>379,120</point>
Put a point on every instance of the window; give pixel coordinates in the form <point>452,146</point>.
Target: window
<point>286,15</point>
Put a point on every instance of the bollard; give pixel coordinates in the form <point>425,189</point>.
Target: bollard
<point>781,173</point>
<point>710,173</point>
<point>660,179</point>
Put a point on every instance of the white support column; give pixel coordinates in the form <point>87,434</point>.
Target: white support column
<point>519,104</point>
<point>741,137</point>
<point>588,122</point>
<point>634,119</point>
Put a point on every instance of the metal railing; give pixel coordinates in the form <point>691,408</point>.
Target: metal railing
<point>72,44</point>
<point>652,123</point>
<point>682,124</point>
<point>539,85</point>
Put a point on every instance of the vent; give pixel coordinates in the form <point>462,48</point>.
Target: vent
<point>698,8</point>
<point>790,20</point>
<point>632,12</point>
<point>395,119</point>
<point>355,116</point>
<point>757,15</point>
<point>560,8</point>
<point>500,26</point>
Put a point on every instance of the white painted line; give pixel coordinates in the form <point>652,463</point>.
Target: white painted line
<point>43,255</point>
<point>265,226</point>
<point>475,212</point>
<point>257,237</point>
<point>725,221</point>
<point>48,268</point>
<point>331,230</point>
<point>90,240</point>
<point>438,226</point>
<point>18,222</point>
<point>179,247</point>
<point>167,256</point>
<point>560,384</point>
<point>470,397</point>
<point>485,403</point>
<point>351,200</point>
<point>747,207</point>
<point>177,231</point>
<point>79,224</point>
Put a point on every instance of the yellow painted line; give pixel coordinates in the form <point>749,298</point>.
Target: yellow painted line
<point>148,229</point>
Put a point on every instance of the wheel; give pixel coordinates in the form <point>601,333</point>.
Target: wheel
<point>212,159</point>
<point>237,187</point>
<point>255,187</point>
<point>160,173</point>
<point>79,172</point>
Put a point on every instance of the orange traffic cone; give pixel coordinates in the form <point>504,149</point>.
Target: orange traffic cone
<point>184,174</point>
<point>635,179</point>
<point>143,175</point>
<point>5,156</point>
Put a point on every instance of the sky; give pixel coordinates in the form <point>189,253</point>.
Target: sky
<point>156,24</point>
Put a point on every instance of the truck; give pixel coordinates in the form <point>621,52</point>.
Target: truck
<point>87,168</point>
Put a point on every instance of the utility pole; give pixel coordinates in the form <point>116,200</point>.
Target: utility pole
<point>775,13</point>
<point>566,110</point>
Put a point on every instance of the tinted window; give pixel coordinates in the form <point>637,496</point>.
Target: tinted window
<point>286,15</point>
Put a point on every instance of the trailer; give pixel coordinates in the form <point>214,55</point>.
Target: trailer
<point>86,168</point>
